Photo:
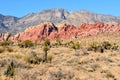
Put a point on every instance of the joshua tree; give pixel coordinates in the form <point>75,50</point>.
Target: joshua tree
<point>46,47</point>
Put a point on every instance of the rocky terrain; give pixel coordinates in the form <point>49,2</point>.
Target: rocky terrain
<point>57,16</point>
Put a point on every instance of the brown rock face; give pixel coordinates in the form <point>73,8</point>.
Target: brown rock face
<point>48,30</point>
<point>67,31</point>
<point>37,33</point>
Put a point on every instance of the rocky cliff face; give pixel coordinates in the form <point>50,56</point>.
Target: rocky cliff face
<point>38,33</point>
<point>5,37</point>
<point>57,16</point>
<point>50,31</point>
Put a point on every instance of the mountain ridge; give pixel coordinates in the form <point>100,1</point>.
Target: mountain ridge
<point>56,15</point>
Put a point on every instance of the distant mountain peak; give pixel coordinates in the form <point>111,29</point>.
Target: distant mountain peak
<point>54,15</point>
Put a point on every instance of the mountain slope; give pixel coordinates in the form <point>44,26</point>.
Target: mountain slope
<point>52,15</point>
<point>79,17</point>
<point>56,15</point>
<point>6,22</point>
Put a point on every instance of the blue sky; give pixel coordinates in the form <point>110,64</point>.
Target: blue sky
<point>20,8</point>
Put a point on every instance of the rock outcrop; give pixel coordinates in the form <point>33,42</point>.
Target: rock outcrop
<point>5,36</point>
<point>48,30</point>
<point>38,33</point>
<point>65,31</point>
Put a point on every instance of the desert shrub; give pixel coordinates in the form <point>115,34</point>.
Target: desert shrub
<point>6,43</point>
<point>26,44</point>
<point>33,58</point>
<point>9,49</point>
<point>85,52</point>
<point>106,45</point>
<point>2,49</point>
<point>58,42</point>
<point>60,75</point>
<point>46,42</point>
<point>110,75</point>
<point>114,46</point>
<point>3,63</point>
<point>18,56</point>
<point>49,58</point>
<point>101,49</point>
<point>10,69</point>
<point>38,59</point>
<point>93,46</point>
<point>75,46</point>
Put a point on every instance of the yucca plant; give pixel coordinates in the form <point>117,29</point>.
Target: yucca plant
<point>10,69</point>
<point>46,47</point>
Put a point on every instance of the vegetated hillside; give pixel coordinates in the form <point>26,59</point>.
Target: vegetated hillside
<point>56,15</point>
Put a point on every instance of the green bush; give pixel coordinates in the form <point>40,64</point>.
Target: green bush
<point>75,46</point>
<point>93,46</point>
<point>106,45</point>
<point>102,46</point>
<point>6,43</point>
<point>26,44</point>
<point>114,47</point>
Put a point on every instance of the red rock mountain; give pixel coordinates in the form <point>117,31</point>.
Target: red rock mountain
<point>48,30</point>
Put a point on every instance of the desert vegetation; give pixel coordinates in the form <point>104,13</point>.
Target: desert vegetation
<point>88,58</point>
